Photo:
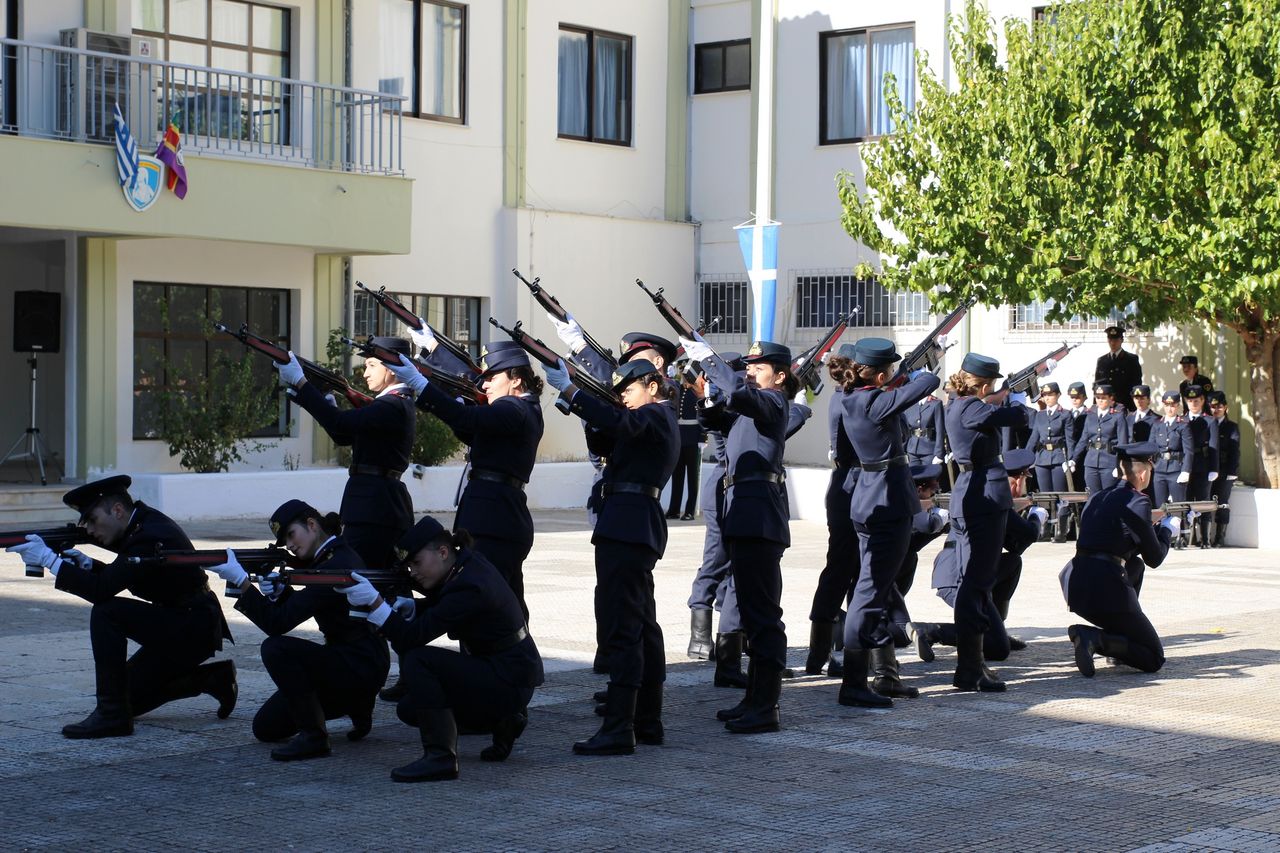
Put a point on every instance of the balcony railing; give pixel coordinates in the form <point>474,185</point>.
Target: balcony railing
<point>55,92</point>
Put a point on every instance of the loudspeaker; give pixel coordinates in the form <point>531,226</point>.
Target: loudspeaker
<point>37,321</point>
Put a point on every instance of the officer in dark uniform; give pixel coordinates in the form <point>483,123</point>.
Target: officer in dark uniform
<point>1173,452</point>
<point>1115,526</point>
<point>1190,366</point>
<point>484,687</point>
<point>630,537</point>
<point>1143,416</point>
<point>314,682</point>
<point>925,432</point>
<point>1078,408</point>
<point>1049,441</point>
<point>1228,464</point>
<point>687,468</point>
<point>1105,428</point>
<point>177,623</point>
<point>502,439</point>
<point>376,510</point>
<point>1202,436</point>
<point>1118,368</point>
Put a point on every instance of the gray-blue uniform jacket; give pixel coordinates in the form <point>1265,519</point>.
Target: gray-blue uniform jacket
<point>1114,526</point>
<point>923,430</point>
<point>1096,447</point>
<point>1171,440</point>
<point>1202,442</point>
<point>972,429</point>
<point>1050,436</point>
<point>885,490</point>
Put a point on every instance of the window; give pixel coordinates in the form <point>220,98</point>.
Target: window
<point>851,74</point>
<point>726,297</point>
<point>1033,318</point>
<point>423,56</point>
<point>722,66</point>
<point>173,339</point>
<point>455,316</point>
<point>822,298</point>
<point>1044,13</point>
<point>594,86</point>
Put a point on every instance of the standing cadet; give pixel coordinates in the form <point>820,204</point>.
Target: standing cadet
<point>687,468</point>
<point>1105,428</point>
<point>177,623</point>
<point>1118,368</point>
<point>1202,441</point>
<point>1076,394</point>
<point>314,682</point>
<point>1190,366</point>
<point>1173,452</point>
<point>1115,526</point>
<point>1144,417</point>
<point>1228,464</point>
<point>630,537</point>
<point>1049,440</point>
<point>376,510</point>
<point>924,432</point>
<point>882,506</point>
<point>980,504</point>
<point>484,687</point>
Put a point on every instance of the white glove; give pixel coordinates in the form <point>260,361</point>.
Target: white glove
<point>1069,465</point>
<point>1213,475</point>
<point>1039,515</point>
<point>1017,398</point>
<point>937,460</point>
<point>331,400</point>
<point>1173,524</point>
<point>77,558</point>
<point>569,331</point>
<point>1115,472</point>
<point>696,349</point>
<point>1231,478</point>
<point>1049,365</point>
<point>361,593</point>
<point>801,398</point>
<point>231,571</point>
<point>1184,477</point>
<point>938,518</point>
<point>826,356</point>
<point>405,606</point>
<point>34,553</point>
<point>941,341</point>
<point>272,586</point>
<point>831,456</point>
<point>290,372</point>
<point>558,376</point>
<point>424,337</point>
<point>949,457</point>
<point>409,375</point>
<point>1192,515</point>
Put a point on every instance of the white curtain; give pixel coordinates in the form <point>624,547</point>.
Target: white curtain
<point>612,111</point>
<point>573,84</point>
<point>892,52</point>
<point>441,60</point>
<point>395,49</point>
<point>847,86</point>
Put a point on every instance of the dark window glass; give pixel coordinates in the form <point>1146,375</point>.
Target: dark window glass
<point>594,86</point>
<point>455,316</point>
<point>723,66</point>
<point>822,299</point>
<point>730,300</point>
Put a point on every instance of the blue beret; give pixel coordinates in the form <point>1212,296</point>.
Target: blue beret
<point>875,352</point>
<point>1018,460</point>
<point>1050,388</point>
<point>289,512</point>
<point>502,355</point>
<point>982,366</point>
<point>1075,388</point>
<point>1104,388</point>
<point>1217,397</point>
<point>1194,392</point>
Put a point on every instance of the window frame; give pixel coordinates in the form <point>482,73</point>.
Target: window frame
<point>463,60</point>
<point>716,289</point>
<point>384,323</point>
<point>882,308</point>
<point>723,47</point>
<point>248,48</point>
<point>823,39</point>
<point>591,86</point>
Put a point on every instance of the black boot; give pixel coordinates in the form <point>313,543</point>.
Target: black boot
<point>760,713</point>
<point>439,761</point>
<point>1088,642</point>
<point>1016,645</point>
<point>600,663</point>
<point>835,662</point>
<point>617,735</point>
<point>1220,535</point>
<point>111,718</point>
<point>505,733</point>
<point>888,682</point>
<point>820,634</point>
<point>699,634</point>
<point>312,739</point>
<point>218,680</point>
<point>854,691</point>
<point>729,660</point>
<point>726,714</point>
<point>925,634</point>
<point>394,692</point>
<point>972,672</point>
<point>361,714</point>
<point>648,722</point>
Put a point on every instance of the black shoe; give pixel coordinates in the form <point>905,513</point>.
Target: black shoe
<point>361,721</point>
<point>439,762</point>
<point>820,635</point>
<point>700,644</point>
<point>1016,645</point>
<point>109,719</point>
<point>600,696</point>
<point>724,715</point>
<point>854,691</point>
<point>688,516</point>
<point>760,713</point>
<point>972,672</point>
<point>728,654</point>
<point>673,513</point>
<point>923,632</point>
<point>1087,641</point>
<point>505,733</point>
<point>648,719</point>
<point>302,746</point>
<point>394,692</point>
<point>218,679</point>
<point>888,681</point>
<point>617,735</point>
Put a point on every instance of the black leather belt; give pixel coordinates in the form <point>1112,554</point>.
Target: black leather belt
<point>498,646</point>
<point>919,432</point>
<point>1101,555</point>
<point>374,471</point>
<point>1169,454</point>
<point>886,464</point>
<point>755,477</point>
<point>496,477</point>
<point>1099,444</point>
<point>978,466</point>
<point>1049,445</point>
<point>632,489</point>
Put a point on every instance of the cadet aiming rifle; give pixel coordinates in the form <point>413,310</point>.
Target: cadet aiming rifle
<point>928,353</point>
<point>396,308</point>
<point>454,386</point>
<point>808,367</point>
<point>1188,512</point>
<point>553,307</point>
<point>58,539</point>
<point>548,357</point>
<point>323,378</point>
<point>1027,380</point>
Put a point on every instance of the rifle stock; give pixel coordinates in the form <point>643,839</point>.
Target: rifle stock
<point>553,307</point>
<point>1027,380</point>
<point>262,563</point>
<point>928,353</point>
<point>401,312</point>
<point>808,367</point>
<point>59,539</point>
<point>322,377</point>
<point>550,358</point>
<point>456,386</point>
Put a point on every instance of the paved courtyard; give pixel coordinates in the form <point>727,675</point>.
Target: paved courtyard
<point>1186,759</point>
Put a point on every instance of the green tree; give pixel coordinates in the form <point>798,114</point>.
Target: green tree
<point>1123,156</point>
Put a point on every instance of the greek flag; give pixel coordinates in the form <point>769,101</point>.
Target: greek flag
<point>126,152</point>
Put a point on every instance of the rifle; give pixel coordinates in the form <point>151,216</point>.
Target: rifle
<point>1052,502</point>
<point>549,358</point>
<point>1027,380</point>
<point>553,307</point>
<point>322,377</point>
<point>454,386</point>
<point>942,500</point>
<point>928,354</point>
<point>1187,511</point>
<point>58,539</point>
<point>401,312</point>
<point>672,315</point>
<point>807,368</point>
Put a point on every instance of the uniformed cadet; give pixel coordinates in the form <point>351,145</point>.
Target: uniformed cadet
<point>630,537</point>
<point>1078,409</point>
<point>502,440</point>
<point>173,616</point>
<point>882,506</point>
<point>1143,416</point>
<point>925,432</point>
<point>1049,441</point>
<point>755,521</point>
<point>1116,525</point>
<point>1019,534</point>
<point>1105,428</point>
<point>1202,439</point>
<point>484,687</point>
<point>1173,457</point>
<point>1190,366</point>
<point>314,682</point>
<point>1228,464</point>
<point>1118,368</point>
<point>376,510</point>
<point>687,467</point>
<point>980,504</point>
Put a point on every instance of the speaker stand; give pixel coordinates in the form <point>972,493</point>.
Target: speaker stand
<point>31,437</point>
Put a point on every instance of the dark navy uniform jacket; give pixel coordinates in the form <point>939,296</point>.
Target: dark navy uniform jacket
<point>923,430</point>
<point>1140,425</point>
<point>972,426</point>
<point>503,439</point>
<point>1050,436</point>
<point>1228,447</point>
<point>381,436</point>
<point>476,607</point>
<point>1172,442</point>
<point>354,639</point>
<point>1202,442</point>
<point>1096,447</point>
<point>646,447</point>
<point>168,586</point>
<point>1205,384</point>
<point>845,458</point>
<point>872,418</point>
<point>1077,427</point>
<point>1122,372</point>
<point>1019,535</point>
<point>1115,521</point>
<point>686,405</point>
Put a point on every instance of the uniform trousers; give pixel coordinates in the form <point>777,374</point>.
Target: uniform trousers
<point>174,641</point>
<point>1220,489</point>
<point>303,667</point>
<point>1144,650</point>
<point>715,560</point>
<point>1097,479</point>
<point>1168,488</point>
<point>727,604</point>
<point>375,543</point>
<point>468,684</point>
<point>979,541</point>
<point>507,556</point>
<point>896,607</point>
<point>882,547</point>
<point>757,580</point>
<point>841,569</point>
<point>633,640</point>
<point>687,467</point>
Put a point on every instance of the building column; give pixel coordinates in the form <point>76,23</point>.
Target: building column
<point>515,35</point>
<point>677,183</point>
<point>96,362</point>
<point>330,311</point>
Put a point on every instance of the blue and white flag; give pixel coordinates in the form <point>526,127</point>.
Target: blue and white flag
<point>126,152</point>
<point>759,244</point>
